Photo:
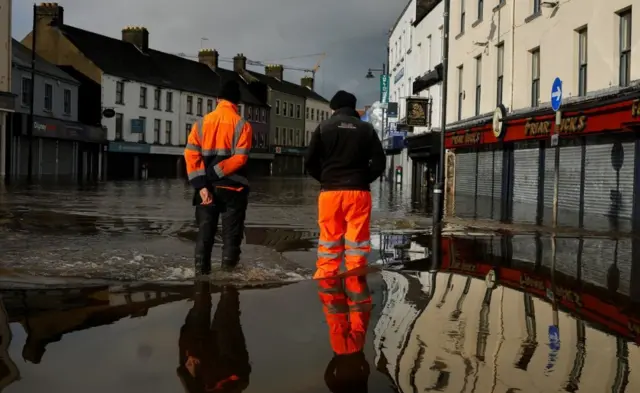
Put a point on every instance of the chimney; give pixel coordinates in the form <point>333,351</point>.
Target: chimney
<point>307,82</point>
<point>50,13</point>
<point>209,57</point>
<point>136,35</point>
<point>239,63</point>
<point>274,71</point>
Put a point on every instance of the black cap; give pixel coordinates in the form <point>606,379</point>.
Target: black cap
<point>343,99</point>
<point>230,91</point>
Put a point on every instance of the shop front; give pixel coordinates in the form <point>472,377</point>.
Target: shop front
<point>59,149</point>
<point>424,151</point>
<point>288,160</point>
<point>506,169</point>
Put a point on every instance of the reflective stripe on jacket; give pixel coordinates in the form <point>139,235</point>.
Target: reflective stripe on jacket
<point>218,149</point>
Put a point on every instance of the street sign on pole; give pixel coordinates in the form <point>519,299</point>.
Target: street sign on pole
<point>384,88</point>
<point>556,94</point>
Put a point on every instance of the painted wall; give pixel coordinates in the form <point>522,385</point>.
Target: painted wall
<point>58,85</point>
<point>288,122</point>
<point>310,125</point>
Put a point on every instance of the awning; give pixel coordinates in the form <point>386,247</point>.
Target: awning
<point>429,79</point>
<point>423,146</point>
<point>48,127</point>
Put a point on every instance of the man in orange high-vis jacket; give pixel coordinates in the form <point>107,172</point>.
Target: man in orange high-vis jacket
<point>347,308</point>
<point>345,155</point>
<point>216,155</point>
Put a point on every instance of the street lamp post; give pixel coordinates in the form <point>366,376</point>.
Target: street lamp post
<point>369,75</point>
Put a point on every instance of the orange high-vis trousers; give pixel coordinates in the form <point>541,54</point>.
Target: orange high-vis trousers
<point>344,218</point>
<point>347,309</point>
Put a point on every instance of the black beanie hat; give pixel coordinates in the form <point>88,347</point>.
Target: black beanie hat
<point>343,99</point>
<point>230,91</point>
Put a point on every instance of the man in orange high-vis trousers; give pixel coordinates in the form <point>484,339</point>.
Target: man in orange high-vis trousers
<point>345,155</point>
<point>216,155</point>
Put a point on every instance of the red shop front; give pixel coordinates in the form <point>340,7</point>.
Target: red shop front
<point>507,173</point>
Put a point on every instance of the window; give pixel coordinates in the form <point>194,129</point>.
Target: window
<point>291,109</point>
<point>307,113</point>
<point>625,48</point>
<point>199,107</point>
<point>67,101</point>
<point>48,97</point>
<point>189,105</point>
<point>167,132</point>
<point>277,136</point>
<point>157,94</point>
<point>209,105</point>
<point>263,115</point>
<point>284,108</point>
<point>480,9</point>
<point>169,103</point>
<point>119,126</point>
<point>536,7</point>
<point>298,136</point>
<point>462,16</point>
<point>582,62</point>
<point>143,97</point>
<point>249,113</point>
<point>312,112</point>
<point>277,107</point>
<point>535,77</point>
<point>478,83</point>
<point>156,131</point>
<point>318,114</point>
<point>142,136</point>
<point>460,91</point>
<point>26,92</point>
<point>298,112</point>
<point>500,83</point>
<point>120,92</point>
<point>290,139</point>
<point>187,130</point>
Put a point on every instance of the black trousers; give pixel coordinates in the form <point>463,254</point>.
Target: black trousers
<point>231,206</point>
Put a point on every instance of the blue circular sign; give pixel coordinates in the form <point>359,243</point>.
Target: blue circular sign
<point>556,94</point>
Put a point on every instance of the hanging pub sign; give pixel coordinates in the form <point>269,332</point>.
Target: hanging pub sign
<point>418,109</point>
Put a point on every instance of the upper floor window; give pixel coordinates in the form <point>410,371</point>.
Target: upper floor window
<point>298,112</point>
<point>582,62</point>
<point>312,112</point>
<point>143,97</point>
<point>535,77</point>
<point>156,130</point>
<point>277,107</point>
<point>142,136</point>
<point>462,16</point>
<point>120,92</point>
<point>307,115</point>
<point>187,130</point>
<point>625,48</point>
<point>119,126</point>
<point>284,108</point>
<point>480,9</point>
<point>536,6</point>
<point>169,103</point>
<point>26,92</point>
<point>291,110</point>
<point>48,97</point>
<point>199,106</point>
<point>263,115</point>
<point>460,91</point>
<point>67,102</point>
<point>157,94</point>
<point>189,105</point>
<point>168,128</point>
<point>249,114</point>
<point>500,72</point>
<point>209,105</point>
<point>478,83</point>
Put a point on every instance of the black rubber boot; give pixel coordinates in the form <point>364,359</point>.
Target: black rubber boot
<point>202,266</point>
<point>229,264</point>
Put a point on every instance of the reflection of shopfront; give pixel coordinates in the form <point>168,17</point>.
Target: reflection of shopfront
<point>510,174</point>
<point>423,150</point>
<point>58,149</point>
<point>288,160</point>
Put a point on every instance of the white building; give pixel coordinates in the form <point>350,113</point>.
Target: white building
<point>316,107</point>
<point>7,100</point>
<point>510,53</point>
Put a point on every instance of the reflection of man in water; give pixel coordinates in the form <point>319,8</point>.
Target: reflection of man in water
<point>213,355</point>
<point>347,313</point>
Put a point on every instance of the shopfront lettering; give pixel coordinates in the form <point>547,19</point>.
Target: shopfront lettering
<point>43,127</point>
<point>572,125</point>
<point>466,139</point>
<point>569,296</point>
<point>530,282</point>
<point>635,108</point>
<point>537,128</point>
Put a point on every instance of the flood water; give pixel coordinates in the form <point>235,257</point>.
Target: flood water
<point>97,297</point>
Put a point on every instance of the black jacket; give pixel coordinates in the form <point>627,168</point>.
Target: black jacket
<point>345,153</point>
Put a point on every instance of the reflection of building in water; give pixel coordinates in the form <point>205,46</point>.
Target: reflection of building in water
<point>474,339</point>
<point>9,373</point>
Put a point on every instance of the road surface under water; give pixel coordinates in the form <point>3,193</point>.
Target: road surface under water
<point>146,230</point>
<point>486,317</point>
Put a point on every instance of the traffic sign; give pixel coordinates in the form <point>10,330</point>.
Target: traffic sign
<point>556,94</point>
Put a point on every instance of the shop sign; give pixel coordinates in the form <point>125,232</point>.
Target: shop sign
<point>537,128</point>
<point>469,138</point>
<point>289,150</point>
<point>418,112</point>
<point>43,127</point>
<point>568,125</point>
<point>55,128</point>
<point>168,150</point>
<point>129,147</point>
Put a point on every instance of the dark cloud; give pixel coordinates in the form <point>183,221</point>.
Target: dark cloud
<point>351,32</point>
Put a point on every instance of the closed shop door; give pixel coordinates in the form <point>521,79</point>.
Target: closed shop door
<point>465,187</point>
<point>526,158</point>
<point>569,184</point>
<point>548,188</point>
<point>485,183</point>
<point>608,183</point>
<point>66,158</point>
<point>23,158</point>
<point>497,185</point>
<point>48,157</point>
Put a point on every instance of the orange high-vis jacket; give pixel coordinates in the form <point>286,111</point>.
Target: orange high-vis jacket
<point>218,149</point>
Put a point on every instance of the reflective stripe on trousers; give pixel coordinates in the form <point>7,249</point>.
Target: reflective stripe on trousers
<point>347,309</point>
<point>344,218</point>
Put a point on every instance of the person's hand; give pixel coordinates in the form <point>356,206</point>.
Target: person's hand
<point>206,197</point>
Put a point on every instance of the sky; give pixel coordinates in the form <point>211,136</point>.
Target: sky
<point>352,33</point>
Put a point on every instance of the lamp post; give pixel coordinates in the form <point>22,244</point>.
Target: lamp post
<point>370,75</point>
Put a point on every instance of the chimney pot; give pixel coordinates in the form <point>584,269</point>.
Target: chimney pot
<point>239,63</point>
<point>209,57</point>
<point>307,82</point>
<point>274,71</point>
<point>136,35</point>
<point>50,13</point>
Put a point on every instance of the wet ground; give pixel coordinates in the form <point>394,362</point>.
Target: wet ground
<point>498,312</point>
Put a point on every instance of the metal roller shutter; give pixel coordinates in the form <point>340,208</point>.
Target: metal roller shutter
<point>569,174</point>
<point>465,184</point>
<point>525,183</point>
<point>48,157</point>
<point>66,160</point>
<point>497,184</point>
<point>608,184</point>
<point>485,183</point>
<point>549,168</point>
